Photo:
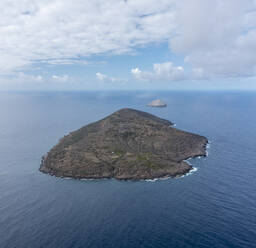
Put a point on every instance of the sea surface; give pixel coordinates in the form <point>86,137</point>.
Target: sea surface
<point>214,206</point>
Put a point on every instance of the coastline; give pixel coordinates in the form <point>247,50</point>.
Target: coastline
<point>126,145</point>
<point>178,175</point>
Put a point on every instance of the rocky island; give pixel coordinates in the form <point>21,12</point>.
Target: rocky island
<point>157,103</point>
<point>128,144</point>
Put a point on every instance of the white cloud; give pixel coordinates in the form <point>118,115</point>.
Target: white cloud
<point>104,78</point>
<point>23,78</point>
<point>161,72</point>
<point>101,77</point>
<point>137,73</point>
<point>60,30</point>
<point>217,36</point>
<point>198,73</point>
<point>61,78</point>
<point>65,62</point>
<point>168,71</point>
<point>26,78</point>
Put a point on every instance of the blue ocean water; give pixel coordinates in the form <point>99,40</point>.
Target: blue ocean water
<point>213,207</point>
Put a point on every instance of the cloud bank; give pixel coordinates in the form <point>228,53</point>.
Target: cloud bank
<point>216,38</point>
<point>163,72</point>
<point>58,30</point>
<point>104,78</point>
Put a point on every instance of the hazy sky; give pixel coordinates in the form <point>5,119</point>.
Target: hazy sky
<point>132,44</point>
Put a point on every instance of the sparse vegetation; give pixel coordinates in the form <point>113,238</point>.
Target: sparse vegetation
<point>124,145</point>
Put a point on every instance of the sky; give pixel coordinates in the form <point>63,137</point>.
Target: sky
<point>127,45</point>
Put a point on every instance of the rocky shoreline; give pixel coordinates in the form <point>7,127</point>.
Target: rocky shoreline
<point>127,145</point>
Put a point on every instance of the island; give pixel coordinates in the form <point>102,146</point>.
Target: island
<point>157,103</point>
<point>128,144</point>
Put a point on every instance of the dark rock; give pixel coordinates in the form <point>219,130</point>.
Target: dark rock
<point>129,144</point>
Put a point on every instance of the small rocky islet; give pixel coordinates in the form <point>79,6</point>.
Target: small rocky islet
<point>157,103</point>
<point>129,145</point>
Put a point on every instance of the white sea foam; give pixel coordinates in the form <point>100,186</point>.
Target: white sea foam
<point>187,161</point>
<point>151,180</point>
<point>192,171</point>
<point>164,178</point>
<point>80,179</point>
<point>156,179</point>
<point>208,145</point>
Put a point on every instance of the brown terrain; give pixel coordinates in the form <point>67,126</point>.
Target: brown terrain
<point>128,144</point>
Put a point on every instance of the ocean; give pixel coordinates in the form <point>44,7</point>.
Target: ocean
<point>213,206</point>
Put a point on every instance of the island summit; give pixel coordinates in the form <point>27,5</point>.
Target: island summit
<point>128,144</point>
